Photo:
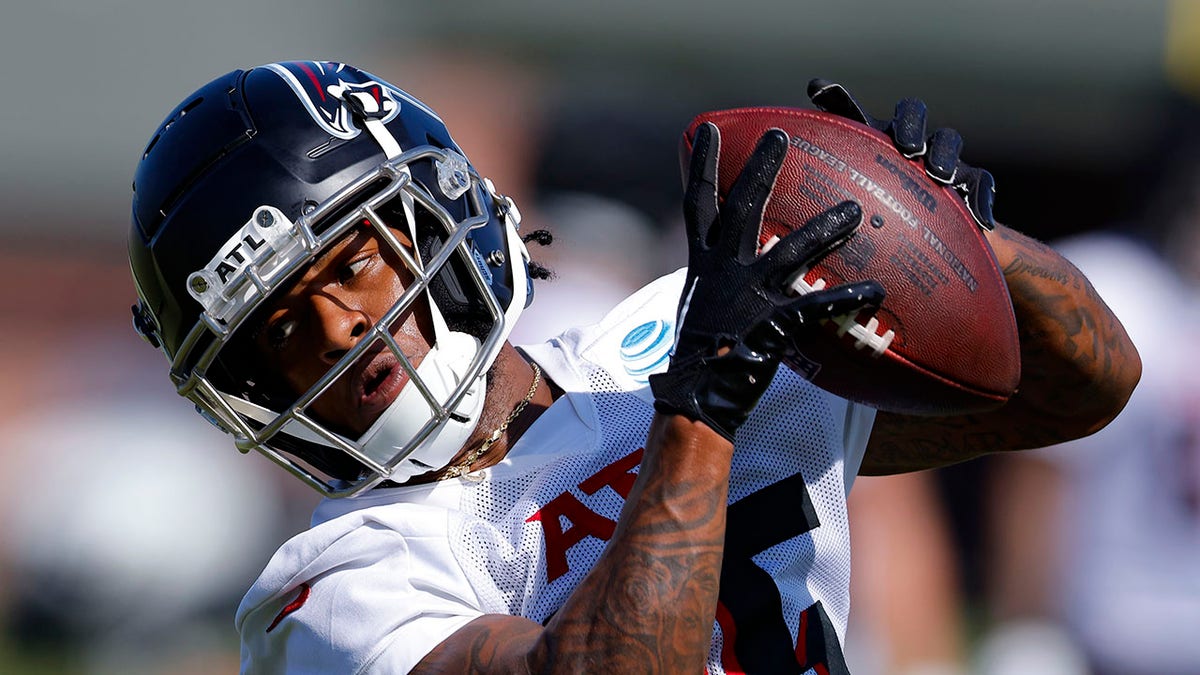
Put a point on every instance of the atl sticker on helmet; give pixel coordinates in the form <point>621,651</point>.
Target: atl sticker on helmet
<point>265,244</point>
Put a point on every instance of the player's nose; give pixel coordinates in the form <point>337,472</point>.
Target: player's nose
<point>341,326</point>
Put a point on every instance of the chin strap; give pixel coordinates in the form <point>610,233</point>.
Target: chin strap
<point>441,373</point>
<point>452,350</point>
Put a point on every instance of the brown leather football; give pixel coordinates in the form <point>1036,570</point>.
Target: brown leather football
<point>944,342</point>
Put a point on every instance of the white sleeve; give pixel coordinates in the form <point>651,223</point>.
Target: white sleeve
<point>376,602</point>
<point>860,419</point>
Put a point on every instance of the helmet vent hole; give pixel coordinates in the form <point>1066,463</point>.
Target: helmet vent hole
<point>191,105</point>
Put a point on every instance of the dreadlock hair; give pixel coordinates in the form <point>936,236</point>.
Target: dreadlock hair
<point>537,270</point>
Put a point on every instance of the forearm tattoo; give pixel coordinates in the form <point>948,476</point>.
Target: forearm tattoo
<point>655,590</point>
<point>1075,353</point>
<point>649,603</point>
<point>1077,370</point>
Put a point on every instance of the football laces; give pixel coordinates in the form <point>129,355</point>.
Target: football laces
<point>865,335</point>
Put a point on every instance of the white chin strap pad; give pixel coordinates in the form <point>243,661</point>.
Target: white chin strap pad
<point>441,371</point>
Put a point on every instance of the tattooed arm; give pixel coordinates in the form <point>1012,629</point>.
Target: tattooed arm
<point>648,604</point>
<point>1078,368</point>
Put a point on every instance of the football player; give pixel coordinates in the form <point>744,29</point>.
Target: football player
<point>333,284</point>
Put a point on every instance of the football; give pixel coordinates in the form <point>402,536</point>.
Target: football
<point>944,341</point>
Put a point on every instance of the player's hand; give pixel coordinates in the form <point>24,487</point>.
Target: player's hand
<point>736,321</point>
<point>940,150</point>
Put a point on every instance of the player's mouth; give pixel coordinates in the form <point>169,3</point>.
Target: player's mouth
<point>378,385</point>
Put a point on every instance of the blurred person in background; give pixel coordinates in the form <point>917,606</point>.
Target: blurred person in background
<point>112,561</point>
<point>603,252</point>
<point>446,545</point>
<point>909,612</point>
<point>1095,544</point>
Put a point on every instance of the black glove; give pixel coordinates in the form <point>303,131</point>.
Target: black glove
<point>736,321</point>
<point>907,130</point>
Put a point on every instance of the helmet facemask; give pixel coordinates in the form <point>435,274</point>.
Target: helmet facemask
<point>451,288</point>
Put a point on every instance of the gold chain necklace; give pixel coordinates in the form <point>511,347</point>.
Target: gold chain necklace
<point>464,467</point>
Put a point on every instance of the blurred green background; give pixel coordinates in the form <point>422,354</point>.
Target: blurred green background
<point>128,528</point>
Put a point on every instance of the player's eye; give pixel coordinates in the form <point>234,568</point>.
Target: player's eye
<point>278,333</point>
<point>347,272</point>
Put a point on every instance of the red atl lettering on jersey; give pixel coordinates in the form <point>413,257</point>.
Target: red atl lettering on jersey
<point>728,639</point>
<point>583,521</point>
<point>619,475</point>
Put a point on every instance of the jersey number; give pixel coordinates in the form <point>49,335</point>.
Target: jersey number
<point>756,636</point>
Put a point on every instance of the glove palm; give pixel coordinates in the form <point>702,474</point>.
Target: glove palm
<point>736,320</point>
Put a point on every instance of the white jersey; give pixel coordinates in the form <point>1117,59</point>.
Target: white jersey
<point>380,580</point>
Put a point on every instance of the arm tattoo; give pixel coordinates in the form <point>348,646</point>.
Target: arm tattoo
<point>1078,368</point>
<point>649,603</point>
<point>655,590</point>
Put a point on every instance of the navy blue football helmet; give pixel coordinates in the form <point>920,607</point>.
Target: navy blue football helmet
<point>246,183</point>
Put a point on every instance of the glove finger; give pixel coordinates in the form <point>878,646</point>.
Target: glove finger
<point>981,192</point>
<point>800,248</point>
<point>700,196</point>
<point>945,146</point>
<point>741,216</point>
<point>834,98</point>
<point>908,127</point>
<point>844,300</point>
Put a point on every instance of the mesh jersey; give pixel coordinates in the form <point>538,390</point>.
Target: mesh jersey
<point>379,580</point>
